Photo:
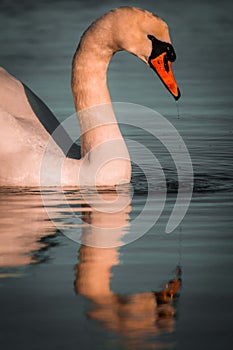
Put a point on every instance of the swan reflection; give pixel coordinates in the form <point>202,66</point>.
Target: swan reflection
<point>25,224</point>
<point>27,218</point>
<point>136,316</point>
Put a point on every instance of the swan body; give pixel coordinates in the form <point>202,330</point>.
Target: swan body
<point>104,157</point>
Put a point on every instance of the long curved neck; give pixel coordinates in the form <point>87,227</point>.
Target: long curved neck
<point>89,77</point>
<point>89,86</point>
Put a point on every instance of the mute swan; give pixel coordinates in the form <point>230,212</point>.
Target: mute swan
<point>26,123</point>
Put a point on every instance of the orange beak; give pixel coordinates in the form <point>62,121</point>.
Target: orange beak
<point>163,68</point>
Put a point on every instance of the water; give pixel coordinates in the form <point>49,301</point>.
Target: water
<point>56,293</point>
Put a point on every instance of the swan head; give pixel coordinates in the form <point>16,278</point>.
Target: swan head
<point>146,36</point>
<point>137,31</point>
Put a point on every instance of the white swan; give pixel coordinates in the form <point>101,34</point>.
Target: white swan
<point>26,123</point>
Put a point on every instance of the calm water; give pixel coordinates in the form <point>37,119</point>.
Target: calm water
<point>163,290</point>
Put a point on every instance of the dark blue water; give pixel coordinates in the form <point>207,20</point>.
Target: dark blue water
<point>163,290</point>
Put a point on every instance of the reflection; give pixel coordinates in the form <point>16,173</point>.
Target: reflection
<point>25,227</point>
<point>27,219</point>
<point>23,224</point>
<point>135,317</point>
<point>106,223</point>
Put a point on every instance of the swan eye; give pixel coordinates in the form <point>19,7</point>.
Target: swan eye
<point>170,53</point>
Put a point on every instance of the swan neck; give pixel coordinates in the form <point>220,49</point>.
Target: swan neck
<point>103,149</point>
<point>89,75</point>
<point>91,96</point>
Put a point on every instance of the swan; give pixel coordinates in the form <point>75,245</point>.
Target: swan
<point>27,123</point>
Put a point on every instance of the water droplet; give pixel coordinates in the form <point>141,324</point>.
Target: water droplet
<point>178,110</point>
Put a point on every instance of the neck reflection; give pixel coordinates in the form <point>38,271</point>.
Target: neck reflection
<point>137,316</point>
